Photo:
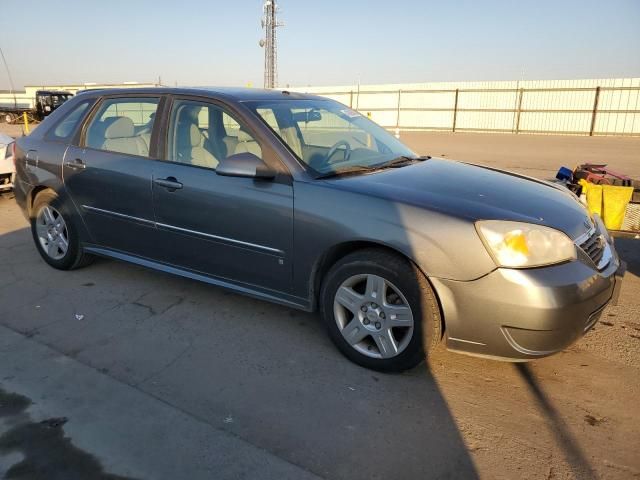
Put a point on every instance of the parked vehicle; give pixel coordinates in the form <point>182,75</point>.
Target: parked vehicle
<point>46,101</point>
<point>7,170</point>
<point>300,200</point>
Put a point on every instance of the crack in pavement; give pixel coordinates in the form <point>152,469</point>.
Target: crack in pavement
<point>172,362</point>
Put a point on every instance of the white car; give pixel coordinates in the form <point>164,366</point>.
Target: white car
<point>7,168</point>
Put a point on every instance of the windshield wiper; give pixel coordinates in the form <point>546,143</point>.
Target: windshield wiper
<point>401,161</point>
<point>393,163</point>
<point>347,171</point>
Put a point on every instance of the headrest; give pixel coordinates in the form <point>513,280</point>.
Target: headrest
<point>244,136</point>
<point>119,127</point>
<point>195,135</point>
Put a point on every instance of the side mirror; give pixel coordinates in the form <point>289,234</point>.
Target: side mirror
<point>244,165</point>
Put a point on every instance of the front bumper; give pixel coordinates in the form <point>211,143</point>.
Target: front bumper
<point>525,314</point>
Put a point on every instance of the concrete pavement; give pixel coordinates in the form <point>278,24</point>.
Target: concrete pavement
<point>135,434</point>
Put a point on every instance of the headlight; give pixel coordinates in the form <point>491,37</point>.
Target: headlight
<point>523,245</point>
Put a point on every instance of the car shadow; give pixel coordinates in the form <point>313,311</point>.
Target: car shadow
<point>305,403</point>
<point>574,456</point>
<point>629,251</point>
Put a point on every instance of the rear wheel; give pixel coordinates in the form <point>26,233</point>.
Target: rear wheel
<point>54,235</point>
<point>380,310</point>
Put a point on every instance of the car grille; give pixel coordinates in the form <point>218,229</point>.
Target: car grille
<point>594,247</point>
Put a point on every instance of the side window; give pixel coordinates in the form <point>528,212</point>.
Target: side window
<point>202,134</point>
<point>65,128</point>
<point>230,125</point>
<point>9,151</point>
<point>123,125</point>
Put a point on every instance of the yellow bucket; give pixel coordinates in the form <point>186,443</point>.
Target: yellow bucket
<point>608,201</point>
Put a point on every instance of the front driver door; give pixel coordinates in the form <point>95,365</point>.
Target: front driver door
<point>109,174</point>
<point>238,229</point>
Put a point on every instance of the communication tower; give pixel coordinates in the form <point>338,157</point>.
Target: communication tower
<point>270,23</point>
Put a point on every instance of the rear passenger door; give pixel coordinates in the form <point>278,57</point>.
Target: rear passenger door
<point>233,228</point>
<point>108,174</point>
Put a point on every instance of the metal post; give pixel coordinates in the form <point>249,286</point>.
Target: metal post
<point>398,112</point>
<point>25,119</point>
<point>595,111</point>
<point>520,95</point>
<point>351,99</point>
<point>455,111</point>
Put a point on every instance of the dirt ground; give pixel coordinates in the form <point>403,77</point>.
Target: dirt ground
<point>154,376</point>
<point>13,130</point>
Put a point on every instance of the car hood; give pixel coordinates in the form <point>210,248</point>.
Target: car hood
<point>475,193</point>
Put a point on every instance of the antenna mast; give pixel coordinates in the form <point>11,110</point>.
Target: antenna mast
<point>270,23</point>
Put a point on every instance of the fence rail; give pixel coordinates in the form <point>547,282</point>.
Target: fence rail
<point>561,110</point>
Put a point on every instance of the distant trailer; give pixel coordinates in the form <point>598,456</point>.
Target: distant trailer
<point>45,102</point>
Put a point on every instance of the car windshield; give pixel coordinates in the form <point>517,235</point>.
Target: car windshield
<point>330,138</point>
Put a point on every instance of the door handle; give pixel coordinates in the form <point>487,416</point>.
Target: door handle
<point>170,183</point>
<point>77,164</point>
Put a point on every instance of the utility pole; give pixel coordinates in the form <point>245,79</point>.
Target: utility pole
<point>6,66</point>
<point>270,23</point>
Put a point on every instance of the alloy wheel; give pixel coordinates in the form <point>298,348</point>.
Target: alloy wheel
<point>52,232</point>
<point>373,316</point>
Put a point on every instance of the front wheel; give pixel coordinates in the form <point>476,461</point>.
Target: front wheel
<point>380,310</point>
<point>54,235</point>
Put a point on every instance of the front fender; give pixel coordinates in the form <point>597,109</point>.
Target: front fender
<point>441,245</point>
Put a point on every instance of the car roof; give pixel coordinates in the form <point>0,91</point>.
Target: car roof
<point>230,93</point>
<point>52,92</point>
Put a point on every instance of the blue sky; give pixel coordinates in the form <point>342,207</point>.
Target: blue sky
<point>210,42</point>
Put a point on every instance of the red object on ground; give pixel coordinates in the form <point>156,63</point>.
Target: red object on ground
<point>601,175</point>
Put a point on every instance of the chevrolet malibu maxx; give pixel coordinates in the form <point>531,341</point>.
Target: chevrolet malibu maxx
<point>300,200</point>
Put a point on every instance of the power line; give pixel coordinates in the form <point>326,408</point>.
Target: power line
<point>6,66</point>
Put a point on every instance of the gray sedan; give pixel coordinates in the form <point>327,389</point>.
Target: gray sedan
<point>301,200</point>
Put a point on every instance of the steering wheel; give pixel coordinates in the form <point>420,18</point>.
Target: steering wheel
<point>334,149</point>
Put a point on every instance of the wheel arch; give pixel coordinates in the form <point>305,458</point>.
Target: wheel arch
<point>35,191</point>
<point>337,252</point>
<point>70,208</point>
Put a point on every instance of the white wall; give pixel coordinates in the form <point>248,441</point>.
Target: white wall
<point>489,106</point>
<point>547,106</point>
<point>26,98</point>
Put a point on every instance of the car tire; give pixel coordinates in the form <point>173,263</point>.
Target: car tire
<point>380,339</point>
<point>64,259</point>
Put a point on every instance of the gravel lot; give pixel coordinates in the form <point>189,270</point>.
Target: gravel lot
<point>153,376</point>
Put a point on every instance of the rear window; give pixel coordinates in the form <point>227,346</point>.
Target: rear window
<point>67,126</point>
